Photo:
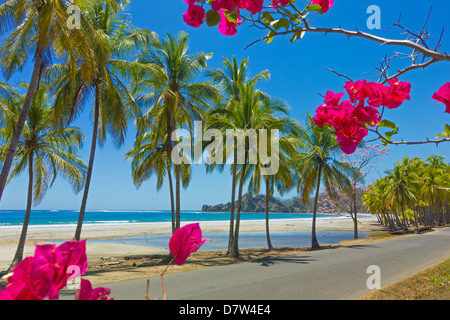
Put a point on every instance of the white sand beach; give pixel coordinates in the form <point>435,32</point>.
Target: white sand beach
<point>37,234</point>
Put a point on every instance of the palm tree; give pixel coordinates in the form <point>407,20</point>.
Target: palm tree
<point>149,158</point>
<point>433,176</point>
<point>314,165</point>
<point>47,150</point>
<point>284,149</point>
<point>113,104</point>
<point>246,116</point>
<point>230,78</point>
<point>400,191</point>
<point>40,28</point>
<point>167,85</point>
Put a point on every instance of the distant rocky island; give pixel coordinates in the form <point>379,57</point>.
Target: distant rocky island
<point>257,204</point>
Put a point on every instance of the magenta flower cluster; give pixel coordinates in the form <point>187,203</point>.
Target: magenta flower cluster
<point>352,118</point>
<point>195,14</point>
<point>43,275</point>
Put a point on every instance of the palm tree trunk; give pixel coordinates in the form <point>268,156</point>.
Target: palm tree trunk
<point>269,243</point>
<point>415,219</point>
<point>169,175</point>
<point>235,251</point>
<point>22,118</point>
<point>233,200</point>
<point>405,227</point>
<point>314,242</point>
<point>355,215</point>
<point>172,203</point>
<point>18,257</point>
<point>90,166</point>
<point>177,196</point>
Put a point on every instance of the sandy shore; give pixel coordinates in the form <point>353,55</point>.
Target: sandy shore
<point>95,251</point>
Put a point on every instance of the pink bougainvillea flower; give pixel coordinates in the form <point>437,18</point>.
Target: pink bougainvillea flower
<point>400,91</point>
<point>194,16</point>
<point>228,5</point>
<point>380,95</point>
<point>391,97</point>
<point>322,115</point>
<point>325,4</point>
<point>357,91</point>
<point>350,137</point>
<point>279,3</point>
<point>332,98</point>
<point>53,262</point>
<point>44,274</point>
<point>87,293</point>
<point>226,27</point>
<point>366,115</point>
<point>22,286</point>
<point>254,6</point>
<point>443,95</point>
<point>184,241</point>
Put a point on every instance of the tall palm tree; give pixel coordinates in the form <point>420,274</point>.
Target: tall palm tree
<point>315,165</point>
<point>113,104</point>
<point>167,84</point>
<point>283,150</point>
<point>246,116</point>
<point>230,78</point>
<point>40,28</point>
<point>47,150</point>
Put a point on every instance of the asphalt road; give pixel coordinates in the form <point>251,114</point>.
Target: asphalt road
<point>330,274</point>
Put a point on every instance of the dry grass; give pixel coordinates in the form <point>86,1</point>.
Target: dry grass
<point>430,284</point>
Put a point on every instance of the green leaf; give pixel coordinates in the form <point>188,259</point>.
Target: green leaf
<point>390,125</point>
<point>387,124</point>
<point>447,129</point>
<point>390,134</point>
<point>286,12</point>
<point>298,34</point>
<point>280,23</point>
<point>269,37</point>
<point>314,7</point>
<point>231,16</point>
<point>267,18</point>
<point>212,18</point>
<point>446,133</point>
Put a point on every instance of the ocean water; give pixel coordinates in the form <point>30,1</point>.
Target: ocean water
<point>9,218</point>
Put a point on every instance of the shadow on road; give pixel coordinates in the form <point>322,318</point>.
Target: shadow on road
<point>268,261</point>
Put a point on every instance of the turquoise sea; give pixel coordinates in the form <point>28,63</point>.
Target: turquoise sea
<point>68,217</point>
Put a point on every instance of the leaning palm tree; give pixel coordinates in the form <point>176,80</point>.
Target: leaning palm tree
<point>230,78</point>
<point>168,86</point>
<point>39,28</point>
<point>113,104</point>
<point>315,165</point>
<point>47,151</point>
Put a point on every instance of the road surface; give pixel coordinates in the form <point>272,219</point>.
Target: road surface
<point>331,274</point>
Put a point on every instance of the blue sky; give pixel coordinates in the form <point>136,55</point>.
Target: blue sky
<point>298,76</point>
